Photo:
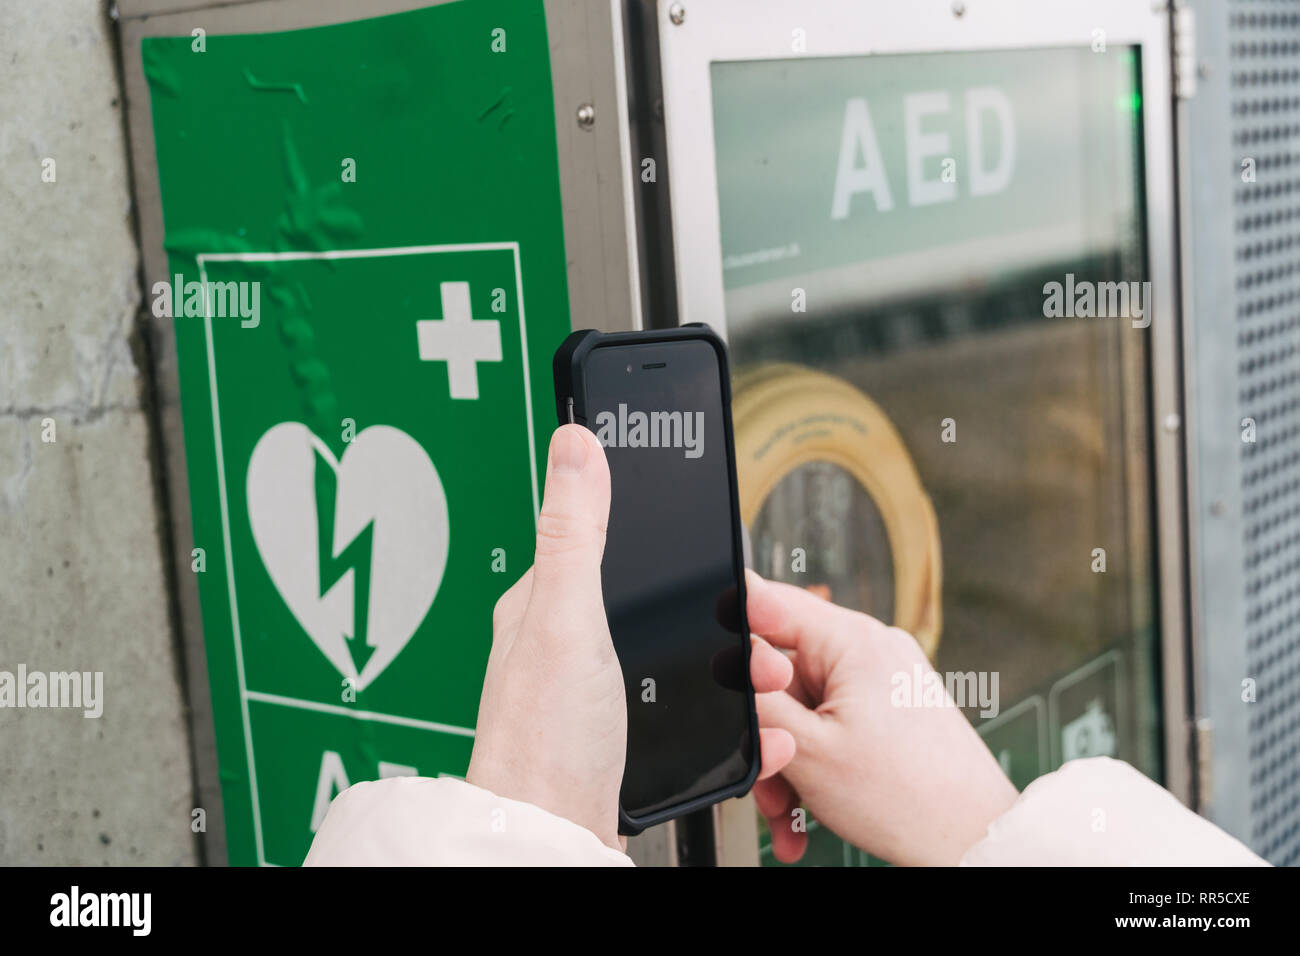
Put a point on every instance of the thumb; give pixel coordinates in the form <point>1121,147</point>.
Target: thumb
<point>575,512</point>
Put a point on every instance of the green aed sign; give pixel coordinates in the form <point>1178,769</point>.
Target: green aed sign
<point>363,230</point>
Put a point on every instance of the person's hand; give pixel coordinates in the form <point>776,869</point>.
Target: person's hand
<point>910,785</point>
<point>552,722</point>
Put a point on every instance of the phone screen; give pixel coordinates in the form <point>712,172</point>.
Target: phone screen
<point>672,574</point>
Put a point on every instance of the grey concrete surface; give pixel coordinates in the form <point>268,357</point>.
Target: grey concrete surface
<point>81,531</point>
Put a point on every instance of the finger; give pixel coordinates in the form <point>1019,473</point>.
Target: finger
<point>797,688</point>
<point>816,630</point>
<point>790,617</point>
<point>571,526</point>
<point>778,801</point>
<point>769,669</point>
<point>788,844</point>
<point>777,748</point>
<point>774,797</point>
<point>779,709</point>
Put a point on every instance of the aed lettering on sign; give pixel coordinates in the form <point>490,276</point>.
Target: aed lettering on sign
<point>930,122</point>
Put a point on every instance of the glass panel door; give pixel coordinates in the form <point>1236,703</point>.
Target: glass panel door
<point>936,300</point>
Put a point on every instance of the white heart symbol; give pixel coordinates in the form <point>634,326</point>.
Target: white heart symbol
<point>385,478</point>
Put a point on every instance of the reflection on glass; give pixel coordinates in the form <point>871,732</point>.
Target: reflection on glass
<point>820,528</point>
<point>898,222</point>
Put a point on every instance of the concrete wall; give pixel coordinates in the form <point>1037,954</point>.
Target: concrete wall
<point>95,525</point>
<point>83,536</point>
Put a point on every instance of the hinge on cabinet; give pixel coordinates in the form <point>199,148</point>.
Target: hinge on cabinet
<point>1184,20</point>
<point>1204,763</point>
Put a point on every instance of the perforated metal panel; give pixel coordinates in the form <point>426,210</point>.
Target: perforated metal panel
<point>1264,51</point>
<point>1243,177</point>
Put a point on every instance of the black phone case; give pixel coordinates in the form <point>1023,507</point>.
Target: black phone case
<point>571,406</point>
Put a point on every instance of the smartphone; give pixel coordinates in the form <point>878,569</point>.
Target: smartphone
<point>674,571</point>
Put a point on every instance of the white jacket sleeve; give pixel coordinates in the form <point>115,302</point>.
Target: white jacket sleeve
<point>420,821</point>
<point>1102,812</point>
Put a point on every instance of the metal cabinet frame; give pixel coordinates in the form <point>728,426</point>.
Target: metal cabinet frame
<point>691,35</point>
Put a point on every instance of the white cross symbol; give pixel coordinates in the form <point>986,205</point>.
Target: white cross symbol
<point>459,340</point>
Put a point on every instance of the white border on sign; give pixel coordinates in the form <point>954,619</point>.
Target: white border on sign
<point>1010,714</point>
<point>245,695</point>
<point>1076,676</point>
